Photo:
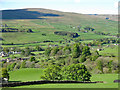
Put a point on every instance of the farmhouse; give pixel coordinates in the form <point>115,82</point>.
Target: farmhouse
<point>3,80</point>
<point>3,54</point>
<point>85,31</point>
<point>53,45</point>
<point>9,59</point>
<point>100,49</point>
<point>116,44</point>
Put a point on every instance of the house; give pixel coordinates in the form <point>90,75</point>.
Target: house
<point>8,59</point>
<point>85,31</point>
<point>116,44</point>
<point>53,45</point>
<point>100,49</point>
<point>73,27</point>
<point>3,80</point>
<point>3,54</point>
<point>14,52</point>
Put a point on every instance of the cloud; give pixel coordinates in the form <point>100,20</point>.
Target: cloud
<point>77,1</point>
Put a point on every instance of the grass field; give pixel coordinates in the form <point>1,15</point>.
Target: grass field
<point>65,22</point>
<point>32,74</point>
<point>29,74</point>
<point>113,50</point>
<point>43,30</point>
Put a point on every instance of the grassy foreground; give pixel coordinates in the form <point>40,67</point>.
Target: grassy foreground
<point>32,74</point>
<point>23,75</point>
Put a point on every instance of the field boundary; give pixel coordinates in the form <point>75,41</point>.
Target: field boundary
<point>43,82</point>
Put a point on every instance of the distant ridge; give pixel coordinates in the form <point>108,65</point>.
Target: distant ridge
<point>26,14</point>
<point>39,13</point>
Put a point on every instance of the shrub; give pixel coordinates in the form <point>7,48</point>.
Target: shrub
<point>52,73</point>
<point>82,59</point>
<point>12,66</point>
<point>54,51</point>
<point>23,64</point>
<point>32,59</point>
<point>67,50</point>
<point>77,72</point>
<point>4,73</point>
<point>76,51</point>
<point>110,66</point>
<point>17,66</point>
<point>100,66</point>
<point>38,48</point>
<point>47,51</point>
<point>26,52</point>
<point>93,58</point>
<point>86,51</point>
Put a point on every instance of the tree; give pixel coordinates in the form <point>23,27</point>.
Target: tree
<point>32,65</point>
<point>26,52</point>
<point>17,66</point>
<point>4,73</point>
<point>94,56</point>
<point>8,67</point>
<point>52,72</point>
<point>77,72</point>
<point>38,48</point>
<point>60,42</point>
<point>100,66</point>
<point>67,50</point>
<point>47,51</point>
<point>32,59</point>
<point>29,30</point>
<point>82,59</point>
<point>86,51</point>
<point>6,49</point>
<point>22,52</point>
<point>110,66</point>
<point>23,64</point>
<point>12,66</point>
<point>76,50</point>
<point>54,51</point>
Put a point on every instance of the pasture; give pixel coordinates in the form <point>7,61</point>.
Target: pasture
<point>43,29</point>
<point>32,74</point>
<point>111,50</point>
<point>28,74</point>
<point>69,22</point>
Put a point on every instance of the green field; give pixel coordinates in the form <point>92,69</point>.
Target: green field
<point>43,30</point>
<point>112,50</point>
<point>64,22</point>
<point>32,74</point>
<point>29,74</point>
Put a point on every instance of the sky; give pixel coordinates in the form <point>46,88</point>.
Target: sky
<point>78,6</point>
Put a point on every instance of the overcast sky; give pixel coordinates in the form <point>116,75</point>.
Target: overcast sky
<point>79,6</point>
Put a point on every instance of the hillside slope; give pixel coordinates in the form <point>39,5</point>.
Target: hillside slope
<point>46,21</point>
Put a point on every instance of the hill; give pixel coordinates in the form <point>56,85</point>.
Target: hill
<point>36,38</point>
<point>46,21</point>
